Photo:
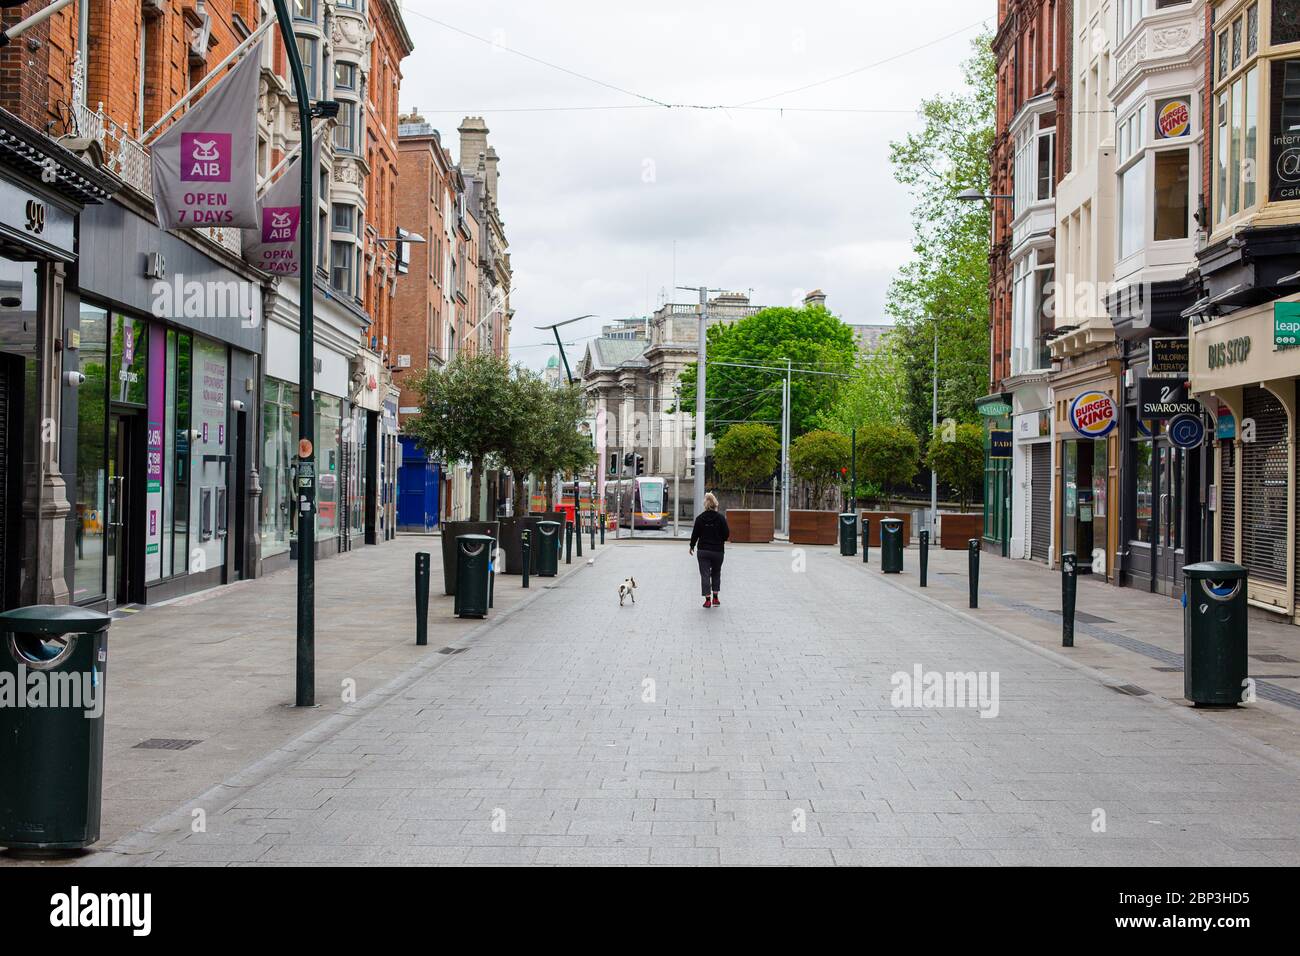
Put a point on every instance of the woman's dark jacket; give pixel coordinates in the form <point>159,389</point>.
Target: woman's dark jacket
<point>710,531</point>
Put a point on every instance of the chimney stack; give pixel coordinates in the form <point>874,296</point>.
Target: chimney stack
<point>816,299</point>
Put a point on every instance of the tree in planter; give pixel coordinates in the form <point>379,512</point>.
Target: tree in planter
<point>467,411</point>
<point>888,455</point>
<point>746,455</point>
<point>956,456</point>
<point>819,458</point>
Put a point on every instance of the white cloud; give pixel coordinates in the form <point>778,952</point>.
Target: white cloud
<point>775,202</point>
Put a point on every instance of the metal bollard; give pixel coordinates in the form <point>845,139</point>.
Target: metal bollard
<point>568,542</point>
<point>1069,589</point>
<point>527,548</point>
<point>577,530</point>
<point>602,527</point>
<point>421,598</point>
<point>866,539</point>
<point>493,555</point>
<point>973,556</point>
<point>593,531</point>
<point>924,537</point>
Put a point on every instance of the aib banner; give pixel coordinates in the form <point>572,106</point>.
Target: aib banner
<point>273,246</point>
<point>205,166</point>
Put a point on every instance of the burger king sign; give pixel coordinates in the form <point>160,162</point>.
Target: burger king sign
<point>1093,414</point>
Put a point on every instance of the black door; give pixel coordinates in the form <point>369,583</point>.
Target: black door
<point>11,482</point>
<point>123,544</point>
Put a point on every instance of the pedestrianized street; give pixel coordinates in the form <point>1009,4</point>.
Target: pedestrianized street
<point>569,730</point>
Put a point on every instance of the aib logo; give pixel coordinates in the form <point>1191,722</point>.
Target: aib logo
<point>280,223</point>
<point>205,157</point>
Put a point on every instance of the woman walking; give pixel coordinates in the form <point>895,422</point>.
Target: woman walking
<point>711,534</point>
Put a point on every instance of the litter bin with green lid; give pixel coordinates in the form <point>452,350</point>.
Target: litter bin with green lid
<point>473,574</point>
<point>1214,633</point>
<point>548,548</point>
<point>52,664</point>
<point>849,533</point>
<point>891,545</point>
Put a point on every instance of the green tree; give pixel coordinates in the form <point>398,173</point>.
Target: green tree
<point>947,281</point>
<point>819,457</point>
<point>525,450</point>
<point>746,456</point>
<point>875,392</point>
<point>468,411</point>
<point>888,455</point>
<point>567,449</point>
<point>956,456</point>
<point>813,339</point>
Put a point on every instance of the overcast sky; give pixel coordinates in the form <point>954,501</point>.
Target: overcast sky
<point>755,199</point>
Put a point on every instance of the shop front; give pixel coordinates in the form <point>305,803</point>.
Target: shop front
<point>162,467</point>
<point>43,189</point>
<point>1031,493</point>
<point>1244,367</point>
<point>1086,420</point>
<point>340,441</point>
<point>996,411</point>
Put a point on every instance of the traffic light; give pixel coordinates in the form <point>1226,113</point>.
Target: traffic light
<point>640,464</point>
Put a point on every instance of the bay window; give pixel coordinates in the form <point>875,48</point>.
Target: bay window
<point>1236,116</point>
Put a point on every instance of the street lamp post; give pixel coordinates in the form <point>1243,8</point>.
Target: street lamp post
<point>305,493</point>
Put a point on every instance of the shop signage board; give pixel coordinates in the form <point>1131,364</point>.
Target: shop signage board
<point>1286,324</point>
<point>1165,398</point>
<point>1284,148</point>
<point>1225,425</point>
<point>1187,431</point>
<point>1093,414</point>
<point>1173,118</point>
<point>1000,441</point>
<point>1167,358</point>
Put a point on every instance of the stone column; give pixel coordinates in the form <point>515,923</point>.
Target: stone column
<point>45,497</point>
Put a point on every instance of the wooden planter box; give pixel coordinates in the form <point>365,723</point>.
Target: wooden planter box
<point>956,530</point>
<point>873,534</point>
<point>814,527</point>
<point>751,527</point>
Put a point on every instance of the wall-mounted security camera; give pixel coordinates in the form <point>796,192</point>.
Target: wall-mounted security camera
<point>74,379</point>
<point>237,405</point>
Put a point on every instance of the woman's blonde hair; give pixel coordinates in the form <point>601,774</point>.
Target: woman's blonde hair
<point>710,502</point>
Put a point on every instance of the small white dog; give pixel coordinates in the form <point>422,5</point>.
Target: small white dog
<point>627,589</point>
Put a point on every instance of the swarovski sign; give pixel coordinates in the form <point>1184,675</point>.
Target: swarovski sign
<point>1160,398</point>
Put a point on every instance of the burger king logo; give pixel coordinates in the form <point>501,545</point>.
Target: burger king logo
<point>1175,119</point>
<point>1093,414</point>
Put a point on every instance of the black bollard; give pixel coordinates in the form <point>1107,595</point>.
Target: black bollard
<point>577,530</point>
<point>602,529</point>
<point>924,537</point>
<point>1069,588</point>
<point>973,554</point>
<point>421,598</point>
<point>527,548</point>
<point>493,556</point>
<point>593,530</point>
<point>866,539</point>
<point>568,542</point>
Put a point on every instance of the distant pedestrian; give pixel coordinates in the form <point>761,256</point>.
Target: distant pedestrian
<point>711,534</point>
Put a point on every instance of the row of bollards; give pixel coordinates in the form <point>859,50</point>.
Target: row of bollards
<point>891,562</point>
<point>476,557</point>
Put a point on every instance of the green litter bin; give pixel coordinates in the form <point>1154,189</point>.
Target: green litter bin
<point>52,665</point>
<point>473,574</point>
<point>1214,633</point>
<point>848,533</point>
<point>548,548</point>
<point>891,545</point>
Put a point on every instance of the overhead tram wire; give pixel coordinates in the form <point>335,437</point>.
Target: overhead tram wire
<point>651,101</point>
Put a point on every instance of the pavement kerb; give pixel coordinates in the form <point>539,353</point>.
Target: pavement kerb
<point>1185,714</point>
<point>145,844</point>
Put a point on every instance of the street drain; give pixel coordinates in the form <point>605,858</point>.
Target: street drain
<point>1275,659</point>
<point>1133,690</point>
<point>1091,618</point>
<point>1168,670</point>
<point>165,743</point>
<point>453,650</point>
